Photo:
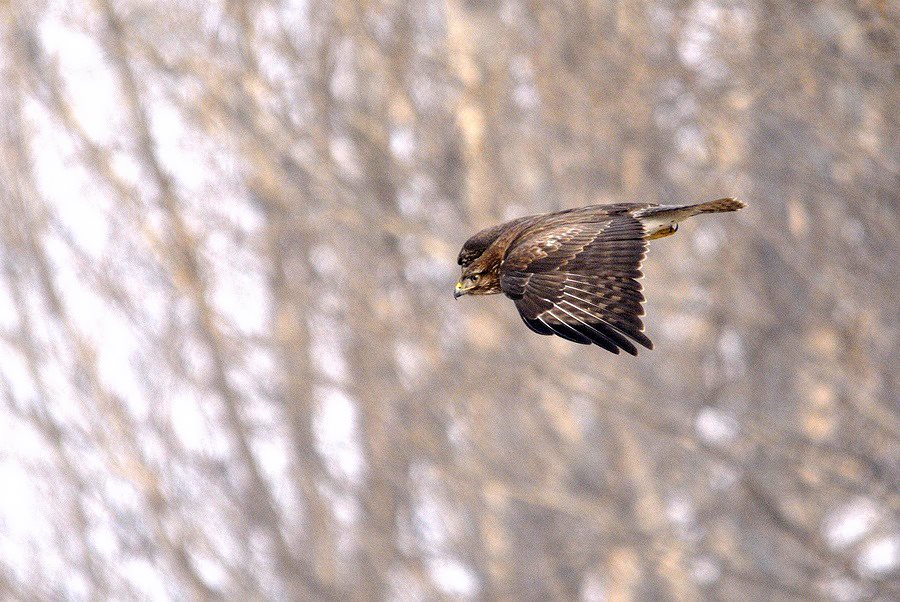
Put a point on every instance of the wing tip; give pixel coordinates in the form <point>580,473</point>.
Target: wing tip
<point>615,341</point>
<point>536,326</point>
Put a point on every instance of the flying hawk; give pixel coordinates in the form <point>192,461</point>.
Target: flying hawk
<point>575,273</point>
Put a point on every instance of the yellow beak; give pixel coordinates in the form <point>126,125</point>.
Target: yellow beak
<point>458,290</point>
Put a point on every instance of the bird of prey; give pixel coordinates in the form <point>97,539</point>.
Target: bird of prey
<point>575,273</point>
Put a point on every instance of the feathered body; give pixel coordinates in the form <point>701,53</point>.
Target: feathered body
<point>575,273</point>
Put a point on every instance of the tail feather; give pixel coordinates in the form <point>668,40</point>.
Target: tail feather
<point>720,206</point>
<point>680,212</point>
<point>662,220</point>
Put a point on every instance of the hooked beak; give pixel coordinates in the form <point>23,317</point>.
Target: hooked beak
<point>458,291</point>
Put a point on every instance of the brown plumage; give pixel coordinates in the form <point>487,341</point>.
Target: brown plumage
<point>575,273</point>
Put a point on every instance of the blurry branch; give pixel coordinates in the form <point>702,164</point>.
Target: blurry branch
<point>44,422</point>
<point>470,114</point>
<point>786,445</point>
<point>650,514</point>
<point>810,541</point>
<point>277,168</point>
<point>287,233</point>
<point>292,342</point>
<point>772,583</point>
<point>186,272</point>
<point>113,427</point>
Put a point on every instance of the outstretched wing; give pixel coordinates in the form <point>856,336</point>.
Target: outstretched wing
<point>579,281</point>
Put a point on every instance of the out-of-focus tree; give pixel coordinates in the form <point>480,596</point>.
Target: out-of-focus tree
<point>231,366</point>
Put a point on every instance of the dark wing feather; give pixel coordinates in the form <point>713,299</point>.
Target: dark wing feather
<point>579,281</point>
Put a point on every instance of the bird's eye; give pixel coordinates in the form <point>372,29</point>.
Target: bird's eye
<point>475,277</point>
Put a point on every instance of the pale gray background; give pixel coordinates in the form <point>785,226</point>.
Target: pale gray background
<point>231,364</point>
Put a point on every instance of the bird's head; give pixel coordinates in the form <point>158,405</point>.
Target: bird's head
<point>476,280</point>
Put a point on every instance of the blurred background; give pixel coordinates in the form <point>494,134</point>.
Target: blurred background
<point>231,365</point>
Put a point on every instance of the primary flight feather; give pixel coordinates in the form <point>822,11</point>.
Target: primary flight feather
<point>575,273</point>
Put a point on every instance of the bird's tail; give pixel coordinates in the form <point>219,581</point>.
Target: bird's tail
<point>680,212</point>
<point>662,220</point>
<point>718,206</point>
